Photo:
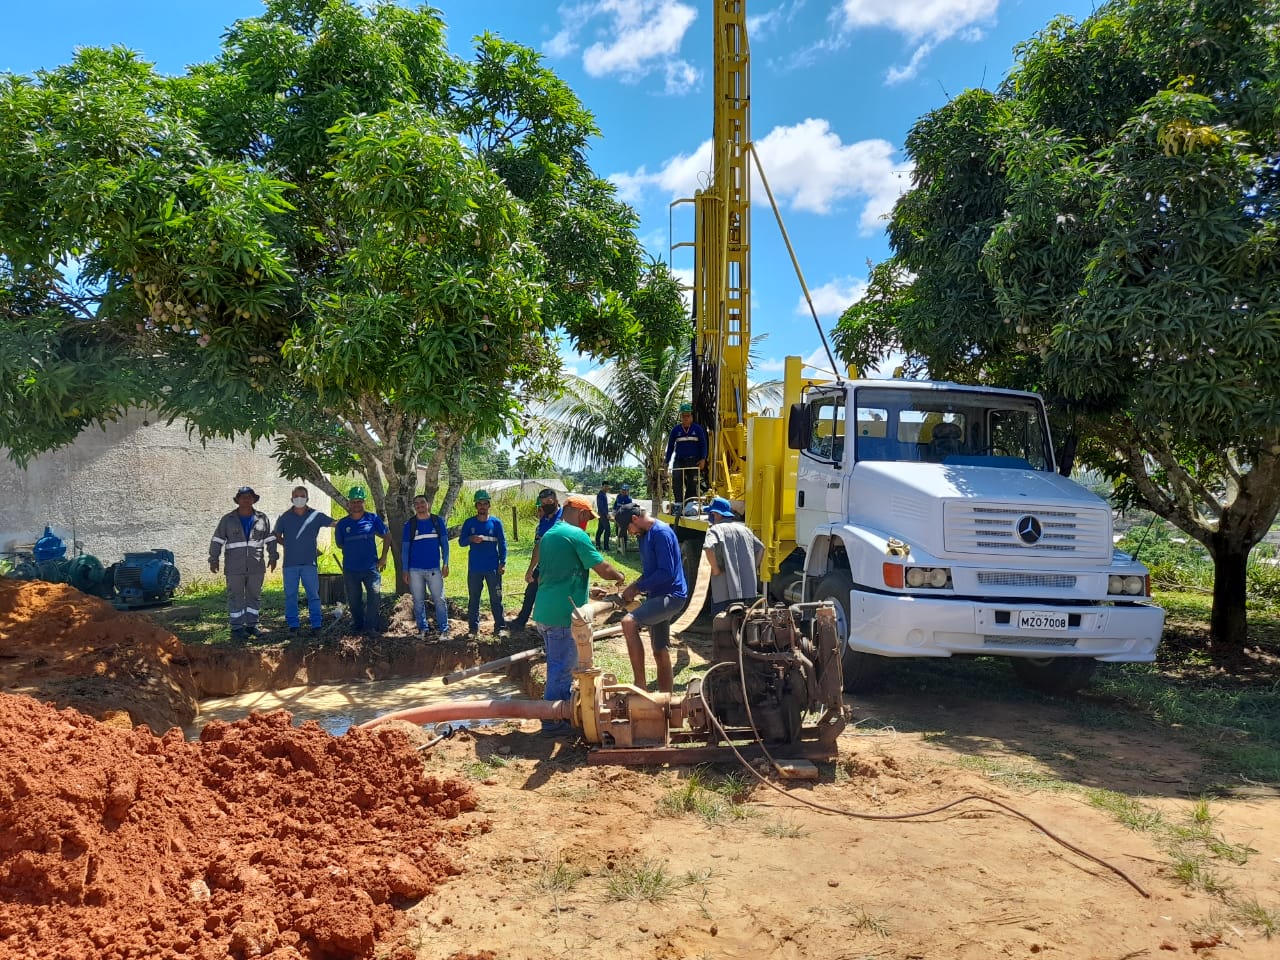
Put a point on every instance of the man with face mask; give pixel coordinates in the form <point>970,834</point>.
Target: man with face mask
<point>567,558</point>
<point>296,530</point>
<point>548,516</point>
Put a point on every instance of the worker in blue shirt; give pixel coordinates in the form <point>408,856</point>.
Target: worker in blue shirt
<point>355,534</point>
<point>602,516</point>
<point>424,552</point>
<point>688,441</point>
<point>484,537</point>
<point>549,513</point>
<point>666,592</point>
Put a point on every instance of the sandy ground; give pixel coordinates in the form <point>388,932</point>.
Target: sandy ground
<point>600,861</point>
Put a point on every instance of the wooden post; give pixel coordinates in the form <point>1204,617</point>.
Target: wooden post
<point>515,524</point>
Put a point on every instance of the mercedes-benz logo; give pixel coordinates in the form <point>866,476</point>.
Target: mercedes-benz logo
<point>1029,530</point>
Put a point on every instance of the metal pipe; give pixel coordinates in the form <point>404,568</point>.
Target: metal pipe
<point>491,665</point>
<point>444,710</point>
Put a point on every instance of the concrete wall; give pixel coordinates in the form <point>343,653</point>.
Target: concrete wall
<point>139,485</point>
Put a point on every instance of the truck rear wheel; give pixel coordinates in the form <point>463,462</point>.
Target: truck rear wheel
<point>1054,674</point>
<point>861,671</point>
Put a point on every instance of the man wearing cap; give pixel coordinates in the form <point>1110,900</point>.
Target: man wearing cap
<point>734,554</point>
<point>548,516</point>
<point>688,441</point>
<point>243,533</point>
<point>667,592</point>
<point>487,562</point>
<point>296,531</point>
<point>567,558</point>
<point>355,535</point>
<point>602,516</point>
<point>424,554</point>
<point>621,500</point>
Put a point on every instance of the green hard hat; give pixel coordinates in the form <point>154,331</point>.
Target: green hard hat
<point>357,493</point>
<point>482,495</point>
<point>686,408</point>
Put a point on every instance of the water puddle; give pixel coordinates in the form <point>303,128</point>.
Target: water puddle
<point>338,706</point>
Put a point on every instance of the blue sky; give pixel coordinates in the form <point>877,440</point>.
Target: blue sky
<point>836,86</point>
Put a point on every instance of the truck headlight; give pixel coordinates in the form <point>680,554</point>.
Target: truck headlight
<point>1135,586</point>
<point>1130,586</point>
<point>934,577</point>
<point>1115,584</point>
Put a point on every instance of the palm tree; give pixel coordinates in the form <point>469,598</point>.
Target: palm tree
<point>626,410</point>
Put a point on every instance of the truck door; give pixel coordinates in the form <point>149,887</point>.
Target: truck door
<point>820,473</point>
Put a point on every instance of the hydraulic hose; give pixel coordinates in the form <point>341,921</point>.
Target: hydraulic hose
<point>446,710</point>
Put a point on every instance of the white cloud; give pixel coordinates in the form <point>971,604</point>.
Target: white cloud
<point>832,298</point>
<point>630,39</point>
<point>925,24</point>
<point>818,361</point>
<point>808,167</point>
<point>772,365</point>
<point>760,26</point>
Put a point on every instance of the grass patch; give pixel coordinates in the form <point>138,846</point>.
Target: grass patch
<point>1014,774</point>
<point>784,829</point>
<point>1132,813</point>
<point>717,799</point>
<point>1266,920</point>
<point>555,881</point>
<point>483,768</point>
<point>864,922</point>
<point>646,880</point>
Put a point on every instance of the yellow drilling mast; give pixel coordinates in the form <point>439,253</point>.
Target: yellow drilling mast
<point>749,461</point>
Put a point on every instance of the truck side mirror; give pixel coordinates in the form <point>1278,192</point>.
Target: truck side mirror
<point>1067,455</point>
<point>799,426</point>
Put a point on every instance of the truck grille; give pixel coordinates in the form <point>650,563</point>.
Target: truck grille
<point>1078,533</point>
<point>1002,640</point>
<point>1054,581</point>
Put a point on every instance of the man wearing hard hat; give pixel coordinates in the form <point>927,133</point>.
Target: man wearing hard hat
<point>244,533</point>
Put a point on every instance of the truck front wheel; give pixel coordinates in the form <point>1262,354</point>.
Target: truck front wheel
<point>861,671</point>
<point>1054,674</point>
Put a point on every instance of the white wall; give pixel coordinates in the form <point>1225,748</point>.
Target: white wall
<point>139,485</point>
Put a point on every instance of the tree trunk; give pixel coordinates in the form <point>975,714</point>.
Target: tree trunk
<point>1229,624</point>
<point>454,462</point>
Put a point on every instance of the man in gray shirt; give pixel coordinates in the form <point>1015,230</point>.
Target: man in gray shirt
<point>734,553</point>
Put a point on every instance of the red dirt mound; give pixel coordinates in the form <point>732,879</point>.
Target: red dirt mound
<point>60,645</point>
<point>260,840</point>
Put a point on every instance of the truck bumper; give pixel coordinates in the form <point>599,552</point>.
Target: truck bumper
<point>906,626</point>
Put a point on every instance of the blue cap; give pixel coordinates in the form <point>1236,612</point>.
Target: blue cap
<point>721,508</point>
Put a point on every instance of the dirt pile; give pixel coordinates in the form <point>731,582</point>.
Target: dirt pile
<point>261,839</point>
<point>59,645</point>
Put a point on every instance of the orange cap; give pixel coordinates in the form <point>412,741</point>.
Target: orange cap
<point>581,503</point>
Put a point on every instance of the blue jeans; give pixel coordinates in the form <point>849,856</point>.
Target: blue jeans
<point>310,580</point>
<point>359,583</point>
<point>476,580</point>
<point>420,581</point>
<point>562,660</point>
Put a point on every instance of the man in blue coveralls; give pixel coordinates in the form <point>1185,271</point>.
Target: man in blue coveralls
<point>487,562</point>
<point>361,566</point>
<point>296,530</point>
<point>688,441</point>
<point>662,581</point>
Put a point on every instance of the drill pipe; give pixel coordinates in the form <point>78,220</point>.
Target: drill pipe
<point>478,710</point>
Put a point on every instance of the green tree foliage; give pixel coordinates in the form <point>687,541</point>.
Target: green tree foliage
<point>337,234</point>
<point>1104,228</point>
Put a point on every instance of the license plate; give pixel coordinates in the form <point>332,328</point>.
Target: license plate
<point>1033,620</point>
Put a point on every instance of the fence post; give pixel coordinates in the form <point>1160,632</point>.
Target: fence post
<point>515,524</point>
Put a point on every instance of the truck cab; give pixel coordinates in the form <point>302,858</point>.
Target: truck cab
<point>934,516</point>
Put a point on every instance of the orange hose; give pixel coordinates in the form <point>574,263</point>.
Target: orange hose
<point>444,710</point>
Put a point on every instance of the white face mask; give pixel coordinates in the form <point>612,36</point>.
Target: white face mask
<point>299,501</point>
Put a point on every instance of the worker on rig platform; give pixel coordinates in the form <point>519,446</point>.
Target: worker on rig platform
<point>688,441</point>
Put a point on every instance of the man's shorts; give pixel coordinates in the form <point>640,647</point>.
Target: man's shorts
<point>656,613</point>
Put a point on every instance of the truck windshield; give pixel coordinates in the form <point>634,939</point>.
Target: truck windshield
<point>959,427</point>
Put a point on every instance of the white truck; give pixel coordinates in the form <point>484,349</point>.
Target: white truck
<point>934,516</point>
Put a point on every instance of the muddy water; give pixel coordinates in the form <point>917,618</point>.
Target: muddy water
<point>338,706</point>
